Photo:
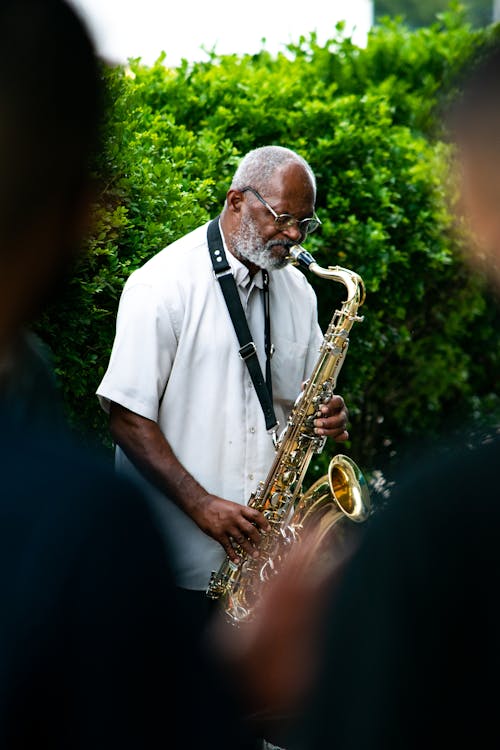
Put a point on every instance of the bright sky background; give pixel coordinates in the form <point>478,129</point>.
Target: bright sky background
<point>145,28</point>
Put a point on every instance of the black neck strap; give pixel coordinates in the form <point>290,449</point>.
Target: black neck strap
<point>248,351</point>
<point>268,347</point>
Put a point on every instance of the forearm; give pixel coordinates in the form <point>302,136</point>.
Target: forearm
<point>147,448</point>
<point>145,445</point>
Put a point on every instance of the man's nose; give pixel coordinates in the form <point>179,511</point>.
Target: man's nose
<point>294,233</point>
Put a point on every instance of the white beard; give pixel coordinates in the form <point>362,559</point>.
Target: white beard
<point>248,244</point>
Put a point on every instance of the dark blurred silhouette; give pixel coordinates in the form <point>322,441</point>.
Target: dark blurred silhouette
<point>48,125</point>
<point>473,124</point>
<point>412,657</point>
<point>401,651</point>
<point>29,389</point>
<point>95,650</point>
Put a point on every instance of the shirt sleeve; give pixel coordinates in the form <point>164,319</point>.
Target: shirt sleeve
<point>142,355</point>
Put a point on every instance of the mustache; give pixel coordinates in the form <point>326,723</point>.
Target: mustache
<point>283,243</point>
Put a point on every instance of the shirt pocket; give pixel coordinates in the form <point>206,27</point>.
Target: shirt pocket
<point>287,370</point>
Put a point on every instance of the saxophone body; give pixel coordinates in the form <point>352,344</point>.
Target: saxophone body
<point>341,494</point>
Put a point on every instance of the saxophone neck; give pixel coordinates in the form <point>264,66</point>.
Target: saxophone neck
<point>351,280</point>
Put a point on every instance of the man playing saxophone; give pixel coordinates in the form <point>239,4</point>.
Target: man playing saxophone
<point>183,408</point>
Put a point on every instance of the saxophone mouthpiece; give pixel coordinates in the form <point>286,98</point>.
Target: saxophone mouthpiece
<point>300,256</point>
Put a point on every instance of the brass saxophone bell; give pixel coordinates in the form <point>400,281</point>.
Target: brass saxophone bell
<point>325,513</point>
<point>349,488</point>
<point>343,491</point>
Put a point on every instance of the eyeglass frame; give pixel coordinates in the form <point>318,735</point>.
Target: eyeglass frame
<point>291,221</point>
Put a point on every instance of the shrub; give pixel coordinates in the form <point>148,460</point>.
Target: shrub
<point>426,355</point>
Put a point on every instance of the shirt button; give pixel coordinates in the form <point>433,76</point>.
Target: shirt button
<point>252,430</point>
<point>250,476</point>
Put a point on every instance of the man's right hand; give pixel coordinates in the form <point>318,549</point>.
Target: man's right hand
<point>231,524</point>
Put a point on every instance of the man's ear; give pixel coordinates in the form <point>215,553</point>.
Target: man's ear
<point>234,199</point>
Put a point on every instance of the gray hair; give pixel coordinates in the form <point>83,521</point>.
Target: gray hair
<point>258,167</point>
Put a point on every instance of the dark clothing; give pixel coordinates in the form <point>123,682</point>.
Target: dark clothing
<point>202,610</point>
<point>198,607</point>
<point>412,658</point>
<point>95,651</point>
<point>28,385</point>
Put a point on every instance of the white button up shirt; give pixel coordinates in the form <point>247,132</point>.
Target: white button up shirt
<point>175,360</point>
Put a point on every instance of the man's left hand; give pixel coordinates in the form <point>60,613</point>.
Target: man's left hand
<point>331,420</point>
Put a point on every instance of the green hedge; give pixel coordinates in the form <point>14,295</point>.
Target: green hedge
<point>426,354</point>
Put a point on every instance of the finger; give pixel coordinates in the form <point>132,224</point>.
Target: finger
<point>246,546</point>
<point>242,544</point>
<point>333,405</point>
<point>338,433</point>
<point>257,520</point>
<point>330,425</point>
<point>230,550</point>
<point>327,412</point>
<point>247,532</point>
<point>251,532</point>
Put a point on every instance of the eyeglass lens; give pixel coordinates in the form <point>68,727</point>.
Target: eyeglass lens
<point>306,226</point>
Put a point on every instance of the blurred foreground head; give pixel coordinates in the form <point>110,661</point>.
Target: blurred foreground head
<point>474,126</point>
<point>50,102</point>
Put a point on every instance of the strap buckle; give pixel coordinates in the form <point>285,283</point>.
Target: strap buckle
<point>273,431</point>
<point>248,350</point>
<point>222,272</point>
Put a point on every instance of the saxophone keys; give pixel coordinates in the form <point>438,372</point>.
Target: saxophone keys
<point>275,499</point>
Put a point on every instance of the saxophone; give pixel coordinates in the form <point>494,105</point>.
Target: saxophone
<point>341,494</point>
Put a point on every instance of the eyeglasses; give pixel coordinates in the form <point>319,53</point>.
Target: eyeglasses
<point>286,221</point>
